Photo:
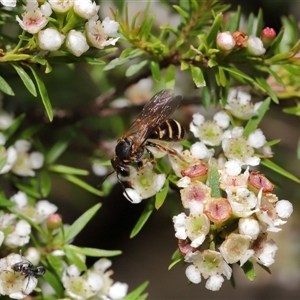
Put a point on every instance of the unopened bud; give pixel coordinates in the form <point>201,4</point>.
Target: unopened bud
<point>267,36</point>
<point>225,41</point>
<point>54,221</point>
<point>255,46</point>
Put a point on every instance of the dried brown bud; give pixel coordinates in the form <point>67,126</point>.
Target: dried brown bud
<point>240,39</point>
<point>185,247</point>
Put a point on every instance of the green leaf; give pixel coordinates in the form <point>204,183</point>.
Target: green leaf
<point>43,92</point>
<point>14,126</point>
<point>136,293</point>
<point>56,151</point>
<point>259,24</point>
<point>55,283</point>
<point>237,73</point>
<point>155,70</point>
<point>143,218</point>
<point>29,190</point>
<point>222,76</point>
<point>197,76</point>
<point>250,24</point>
<point>26,79</point>
<point>214,182</point>
<point>72,231</point>
<point>83,185</point>
<point>55,263</point>
<point>176,258</point>
<point>170,77</point>
<point>5,87</point>
<point>45,183</point>
<point>264,86</point>
<point>213,31</point>
<point>183,13</point>
<point>133,69</point>
<point>93,252</point>
<point>248,269</point>
<point>161,195</point>
<point>205,97</point>
<point>271,165</point>
<point>254,121</point>
<point>74,258</point>
<point>68,170</point>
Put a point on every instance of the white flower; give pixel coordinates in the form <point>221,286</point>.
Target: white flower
<point>44,208</point>
<point>193,275</point>
<point>266,253</point>
<point>61,6</point>
<point>195,227</point>
<point>20,198</point>
<point>200,151</point>
<point>85,9</point>
<point>214,283</point>
<point>233,167</point>
<point>255,46</point>
<point>76,42</point>
<point>33,255</point>
<point>36,159</point>
<point>284,208</point>
<point>97,32</point>
<point>118,290</point>
<point>19,236</point>
<point>249,226</point>
<point>8,3</point>
<point>11,157</point>
<point>222,119</point>
<point>34,19</point>
<point>145,183</point>
<point>11,283</point>
<point>256,139</point>
<point>50,39</point>
<point>225,41</point>
<point>239,104</point>
<point>6,119</point>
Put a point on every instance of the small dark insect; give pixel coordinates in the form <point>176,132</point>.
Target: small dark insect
<point>152,123</point>
<point>26,268</point>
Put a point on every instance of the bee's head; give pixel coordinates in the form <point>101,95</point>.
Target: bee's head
<point>120,167</point>
<point>124,148</point>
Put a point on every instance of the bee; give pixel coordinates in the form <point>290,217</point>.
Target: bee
<point>152,123</point>
<point>26,268</point>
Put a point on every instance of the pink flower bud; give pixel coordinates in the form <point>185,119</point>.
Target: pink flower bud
<point>54,221</point>
<point>267,36</point>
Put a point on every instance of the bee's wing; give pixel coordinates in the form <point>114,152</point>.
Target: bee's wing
<point>160,107</point>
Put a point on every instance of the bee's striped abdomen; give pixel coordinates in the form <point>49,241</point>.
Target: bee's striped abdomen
<point>169,130</point>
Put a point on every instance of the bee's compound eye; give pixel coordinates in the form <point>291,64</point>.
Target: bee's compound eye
<point>123,149</point>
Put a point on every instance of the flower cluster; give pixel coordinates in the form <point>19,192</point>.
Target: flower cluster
<point>53,23</point>
<point>227,42</point>
<point>95,282</point>
<point>230,209</point>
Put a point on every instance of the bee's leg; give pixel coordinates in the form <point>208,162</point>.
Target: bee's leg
<point>164,148</point>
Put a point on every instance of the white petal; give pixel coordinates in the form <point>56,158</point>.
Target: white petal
<point>193,274</point>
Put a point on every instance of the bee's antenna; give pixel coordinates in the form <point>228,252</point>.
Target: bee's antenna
<point>124,189</point>
<point>105,177</point>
